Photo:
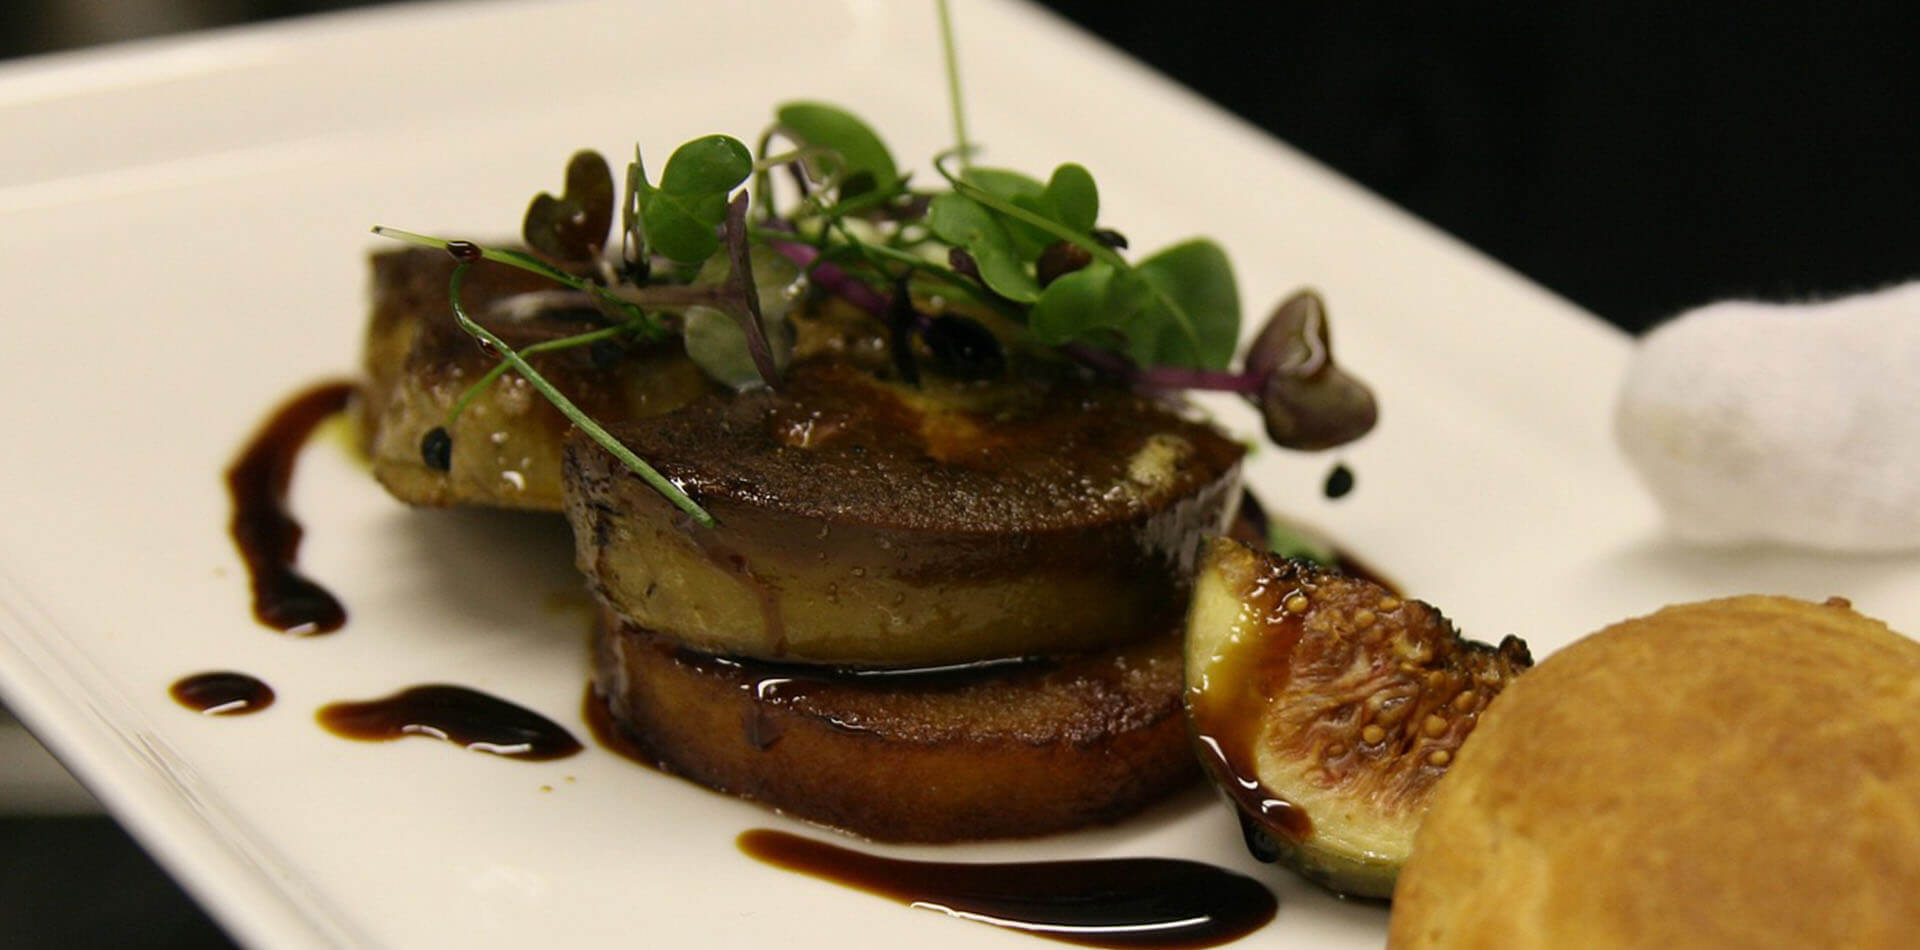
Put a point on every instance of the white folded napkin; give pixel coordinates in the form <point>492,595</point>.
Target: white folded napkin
<point>1789,424</point>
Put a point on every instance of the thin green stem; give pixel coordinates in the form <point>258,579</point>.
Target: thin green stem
<point>859,246</point>
<point>633,314</point>
<point>768,163</point>
<point>954,105</point>
<point>950,277</point>
<point>573,413</point>
<point>499,369</point>
<point>968,189</point>
<point>763,177</point>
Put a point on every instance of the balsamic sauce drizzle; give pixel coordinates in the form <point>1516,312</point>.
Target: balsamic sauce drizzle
<point>465,717</point>
<point>1339,481</point>
<point>1111,902</point>
<point>1123,902</point>
<point>222,693</point>
<point>265,532</point>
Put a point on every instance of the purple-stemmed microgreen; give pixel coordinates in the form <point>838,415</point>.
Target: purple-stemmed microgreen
<point>712,262</point>
<point>1307,401</point>
<point>740,279</point>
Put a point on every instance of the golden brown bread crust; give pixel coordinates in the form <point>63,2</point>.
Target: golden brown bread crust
<point>507,445</point>
<point>1735,773</point>
<point>867,523</point>
<point>999,753</point>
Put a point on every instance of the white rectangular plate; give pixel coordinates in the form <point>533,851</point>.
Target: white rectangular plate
<point>185,226</point>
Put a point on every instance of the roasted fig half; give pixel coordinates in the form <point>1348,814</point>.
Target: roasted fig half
<point>1326,707</point>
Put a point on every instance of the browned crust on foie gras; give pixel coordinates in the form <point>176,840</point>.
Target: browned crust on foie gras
<point>866,523</point>
<point>1036,749</point>
<point>507,444</point>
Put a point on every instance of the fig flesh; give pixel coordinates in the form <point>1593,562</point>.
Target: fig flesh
<point>1326,707</point>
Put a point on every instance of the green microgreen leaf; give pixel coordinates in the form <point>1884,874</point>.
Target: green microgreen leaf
<point>1076,308</point>
<point>1022,191</point>
<point>1195,292</point>
<point>946,276</point>
<point>1004,182</point>
<point>867,166</point>
<point>707,165</point>
<point>718,338</point>
<point>716,343</point>
<point>1133,310</point>
<point>680,218</point>
<point>966,223</point>
<point>1072,197</point>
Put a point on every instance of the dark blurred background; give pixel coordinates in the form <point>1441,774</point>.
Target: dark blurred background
<point>1638,159</point>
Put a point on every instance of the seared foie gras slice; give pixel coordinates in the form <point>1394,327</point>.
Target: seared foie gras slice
<point>1011,750</point>
<point>507,445</point>
<point>866,523</point>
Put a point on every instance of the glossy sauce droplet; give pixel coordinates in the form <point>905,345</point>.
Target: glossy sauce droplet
<point>1115,902</point>
<point>222,693</point>
<point>1339,481</point>
<point>456,714</point>
<point>265,532</point>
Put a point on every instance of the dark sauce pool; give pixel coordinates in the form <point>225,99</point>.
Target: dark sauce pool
<point>222,693</point>
<point>1113,902</point>
<point>465,717</point>
<point>1121,902</point>
<point>265,531</point>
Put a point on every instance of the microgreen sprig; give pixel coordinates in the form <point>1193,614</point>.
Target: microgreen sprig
<point>465,255</point>
<point>1033,252</point>
<point>645,326</point>
<point>955,107</point>
<point>499,369</point>
<point>1178,307</point>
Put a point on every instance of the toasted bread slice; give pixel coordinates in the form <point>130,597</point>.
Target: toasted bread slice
<point>868,523</point>
<point>1008,750</point>
<point>507,445</point>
